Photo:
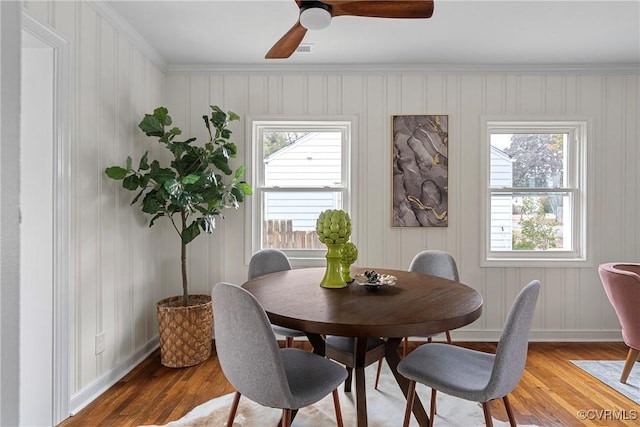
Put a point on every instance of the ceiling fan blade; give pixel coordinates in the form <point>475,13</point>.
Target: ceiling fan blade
<point>287,43</point>
<point>382,9</point>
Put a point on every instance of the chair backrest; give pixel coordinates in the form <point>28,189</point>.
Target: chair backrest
<point>511,354</point>
<point>267,261</point>
<point>435,263</point>
<point>621,282</point>
<point>247,349</point>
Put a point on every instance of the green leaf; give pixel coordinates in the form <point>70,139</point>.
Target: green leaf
<point>153,220</point>
<point>135,199</point>
<point>190,179</point>
<point>206,124</point>
<point>131,182</point>
<point>160,175</point>
<point>245,188</point>
<point>144,180</point>
<point>238,194</point>
<point>222,164</point>
<point>232,149</point>
<point>173,187</point>
<point>151,126</point>
<point>116,172</point>
<point>162,115</point>
<point>240,171</point>
<point>129,162</point>
<point>150,204</point>
<point>218,117</point>
<point>144,163</point>
<point>226,133</point>
<point>190,233</point>
<point>233,116</point>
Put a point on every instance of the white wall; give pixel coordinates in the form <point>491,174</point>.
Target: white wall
<point>573,305</point>
<point>116,258</point>
<point>9,216</point>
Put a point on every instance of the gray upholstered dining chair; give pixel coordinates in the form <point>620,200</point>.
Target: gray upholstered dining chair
<point>475,375</point>
<point>267,261</point>
<point>434,263</point>
<point>342,349</point>
<point>257,368</point>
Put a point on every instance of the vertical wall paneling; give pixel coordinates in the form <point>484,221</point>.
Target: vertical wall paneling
<point>123,331</point>
<point>317,90</point>
<point>87,187</point>
<point>112,250</point>
<point>106,144</point>
<point>632,111</point>
<point>233,229</point>
<point>572,304</point>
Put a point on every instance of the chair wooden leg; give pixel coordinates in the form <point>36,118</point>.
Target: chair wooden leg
<point>432,409</point>
<point>336,404</point>
<point>288,343</point>
<point>429,339</point>
<point>487,414</point>
<point>631,359</point>
<point>349,380</point>
<point>234,408</point>
<point>405,342</point>
<point>448,334</point>
<point>378,374</point>
<point>507,406</point>
<point>411,394</point>
<point>286,417</point>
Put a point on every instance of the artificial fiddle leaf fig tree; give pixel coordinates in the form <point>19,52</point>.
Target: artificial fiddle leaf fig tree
<point>191,191</point>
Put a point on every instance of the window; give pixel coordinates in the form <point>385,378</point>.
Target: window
<point>301,169</point>
<point>535,204</point>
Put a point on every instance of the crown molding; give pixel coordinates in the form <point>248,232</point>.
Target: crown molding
<point>520,69</point>
<point>111,16</point>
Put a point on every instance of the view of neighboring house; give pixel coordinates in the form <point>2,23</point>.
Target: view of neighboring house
<point>311,161</point>
<point>501,206</point>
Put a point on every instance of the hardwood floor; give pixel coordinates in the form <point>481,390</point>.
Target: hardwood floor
<point>551,392</point>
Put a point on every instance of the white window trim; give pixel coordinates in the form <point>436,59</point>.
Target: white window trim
<point>297,257</point>
<point>580,128</point>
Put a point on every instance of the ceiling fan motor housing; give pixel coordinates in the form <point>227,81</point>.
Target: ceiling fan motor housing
<point>315,15</point>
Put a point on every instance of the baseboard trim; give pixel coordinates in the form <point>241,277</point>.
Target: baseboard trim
<point>92,391</point>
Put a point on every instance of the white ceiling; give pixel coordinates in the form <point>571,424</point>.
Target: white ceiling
<point>460,33</point>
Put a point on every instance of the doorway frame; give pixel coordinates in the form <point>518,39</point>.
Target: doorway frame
<point>62,260</point>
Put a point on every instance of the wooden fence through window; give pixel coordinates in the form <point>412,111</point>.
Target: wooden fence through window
<point>279,233</point>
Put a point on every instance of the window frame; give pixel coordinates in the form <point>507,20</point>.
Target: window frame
<point>577,184</point>
<point>256,126</point>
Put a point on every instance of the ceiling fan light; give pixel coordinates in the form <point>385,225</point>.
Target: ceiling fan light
<point>315,17</point>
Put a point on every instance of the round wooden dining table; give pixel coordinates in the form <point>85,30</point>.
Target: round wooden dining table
<point>418,305</point>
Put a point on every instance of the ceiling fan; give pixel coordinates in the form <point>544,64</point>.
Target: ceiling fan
<point>315,15</point>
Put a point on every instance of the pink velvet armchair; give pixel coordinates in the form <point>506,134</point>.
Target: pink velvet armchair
<point>622,284</point>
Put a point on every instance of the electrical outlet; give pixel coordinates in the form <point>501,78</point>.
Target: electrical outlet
<point>99,343</point>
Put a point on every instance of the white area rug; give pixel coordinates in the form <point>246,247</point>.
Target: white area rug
<point>609,371</point>
<point>385,407</point>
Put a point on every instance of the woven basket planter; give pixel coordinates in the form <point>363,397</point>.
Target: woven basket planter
<point>185,332</point>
